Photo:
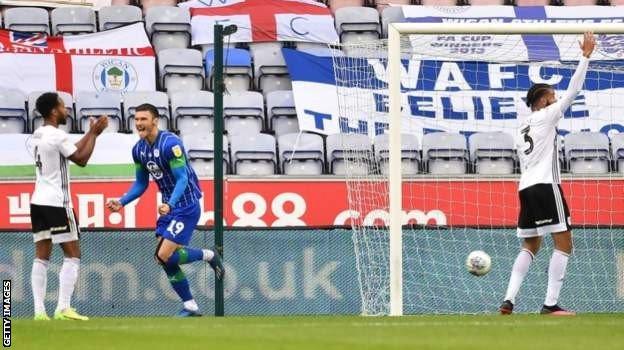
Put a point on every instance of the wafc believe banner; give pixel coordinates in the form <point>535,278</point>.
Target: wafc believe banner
<point>307,203</point>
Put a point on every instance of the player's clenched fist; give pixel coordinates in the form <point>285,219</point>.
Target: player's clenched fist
<point>114,205</point>
<point>164,209</point>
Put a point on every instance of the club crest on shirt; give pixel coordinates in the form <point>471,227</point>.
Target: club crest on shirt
<point>177,151</point>
<point>154,170</point>
<point>156,153</point>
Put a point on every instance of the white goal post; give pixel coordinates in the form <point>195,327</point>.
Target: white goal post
<point>395,32</point>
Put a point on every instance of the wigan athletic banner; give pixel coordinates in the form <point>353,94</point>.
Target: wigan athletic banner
<point>117,60</point>
<point>514,47</point>
<point>263,20</point>
<point>454,96</point>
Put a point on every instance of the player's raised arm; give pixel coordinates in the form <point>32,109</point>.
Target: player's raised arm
<point>576,83</point>
<point>138,188</point>
<point>85,146</point>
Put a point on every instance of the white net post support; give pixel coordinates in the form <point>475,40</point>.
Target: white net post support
<point>395,32</point>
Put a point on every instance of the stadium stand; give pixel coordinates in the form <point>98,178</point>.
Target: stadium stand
<point>180,70</point>
<point>27,19</point>
<point>492,153</point>
<point>200,149</point>
<point>237,72</point>
<point>73,20</point>
<point>34,117</point>
<point>168,27</point>
<point>13,117</point>
<point>587,152</point>
<point>355,24</point>
<point>410,154</point>
<point>91,104</point>
<point>270,70</point>
<point>349,150</point>
<point>157,98</point>
<point>115,16</point>
<point>445,153</point>
<point>148,4</point>
<point>301,154</point>
<point>390,15</point>
<point>281,113</point>
<point>253,154</point>
<point>617,147</point>
<point>243,112</point>
<point>193,112</point>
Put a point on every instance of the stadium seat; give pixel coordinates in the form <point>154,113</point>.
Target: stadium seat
<point>243,112</point>
<point>269,67</point>
<point>237,72</point>
<point>492,153</point>
<point>391,15</point>
<point>281,113</point>
<point>200,150</point>
<point>253,154</point>
<point>148,4</point>
<point>357,24</point>
<point>587,152</point>
<point>168,27</point>
<point>193,112</point>
<point>617,148</point>
<point>35,119</point>
<point>180,69</point>
<point>349,153</point>
<point>301,154</point>
<point>95,104</point>
<point>116,16</point>
<point>410,154</point>
<point>27,19</point>
<point>337,4</point>
<point>12,112</point>
<point>135,98</point>
<point>73,20</point>
<point>445,153</point>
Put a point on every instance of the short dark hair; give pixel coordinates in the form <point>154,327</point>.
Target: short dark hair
<point>536,92</point>
<point>147,107</point>
<point>46,103</point>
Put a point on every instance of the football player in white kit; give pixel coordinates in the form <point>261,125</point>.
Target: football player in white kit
<point>543,209</point>
<point>51,211</point>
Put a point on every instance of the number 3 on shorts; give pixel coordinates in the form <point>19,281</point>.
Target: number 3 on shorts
<point>175,227</point>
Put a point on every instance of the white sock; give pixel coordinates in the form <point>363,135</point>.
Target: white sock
<point>556,273</point>
<point>208,254</point>
<point>67,281</point>
<point>518,272</point>
<point>191,305</point>
<point>38,282</point>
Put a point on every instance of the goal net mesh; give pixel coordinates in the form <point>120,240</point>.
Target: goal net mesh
<point>462,97</point>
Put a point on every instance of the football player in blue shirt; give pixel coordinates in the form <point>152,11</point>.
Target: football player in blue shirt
<point>161,154</point>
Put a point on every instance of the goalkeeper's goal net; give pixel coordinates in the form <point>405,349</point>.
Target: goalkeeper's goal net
<point>437,175</point>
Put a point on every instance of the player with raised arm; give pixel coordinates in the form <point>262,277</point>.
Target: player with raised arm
<point>51,211</point>
<point>543,209</point>
<point>161,154</point>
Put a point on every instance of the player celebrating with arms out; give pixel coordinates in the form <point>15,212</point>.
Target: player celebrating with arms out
<point>543,209</point>
<point>161,154</point>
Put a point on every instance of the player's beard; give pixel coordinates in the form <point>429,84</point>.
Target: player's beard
<point>62,121</point>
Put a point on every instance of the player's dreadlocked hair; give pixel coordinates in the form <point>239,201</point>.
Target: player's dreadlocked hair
<point>536,92</point>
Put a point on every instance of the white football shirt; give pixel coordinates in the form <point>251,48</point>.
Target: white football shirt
<point>537,139</point>
<point>51,149</point>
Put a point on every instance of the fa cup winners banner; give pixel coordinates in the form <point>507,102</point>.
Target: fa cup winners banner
<point>116,60</point>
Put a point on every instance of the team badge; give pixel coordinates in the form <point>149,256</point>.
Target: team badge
<point>113,75</point>
<point>156,153</point>
<point>177,151</point>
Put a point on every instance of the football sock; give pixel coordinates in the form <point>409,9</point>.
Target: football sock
<point>38,282</point>
<point>186,255</point>
<point>67,281</point>
<point>518,272</point>
<point>556,274</point>
<point>178,281</point>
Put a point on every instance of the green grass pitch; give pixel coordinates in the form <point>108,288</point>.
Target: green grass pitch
<point>587,332</point>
